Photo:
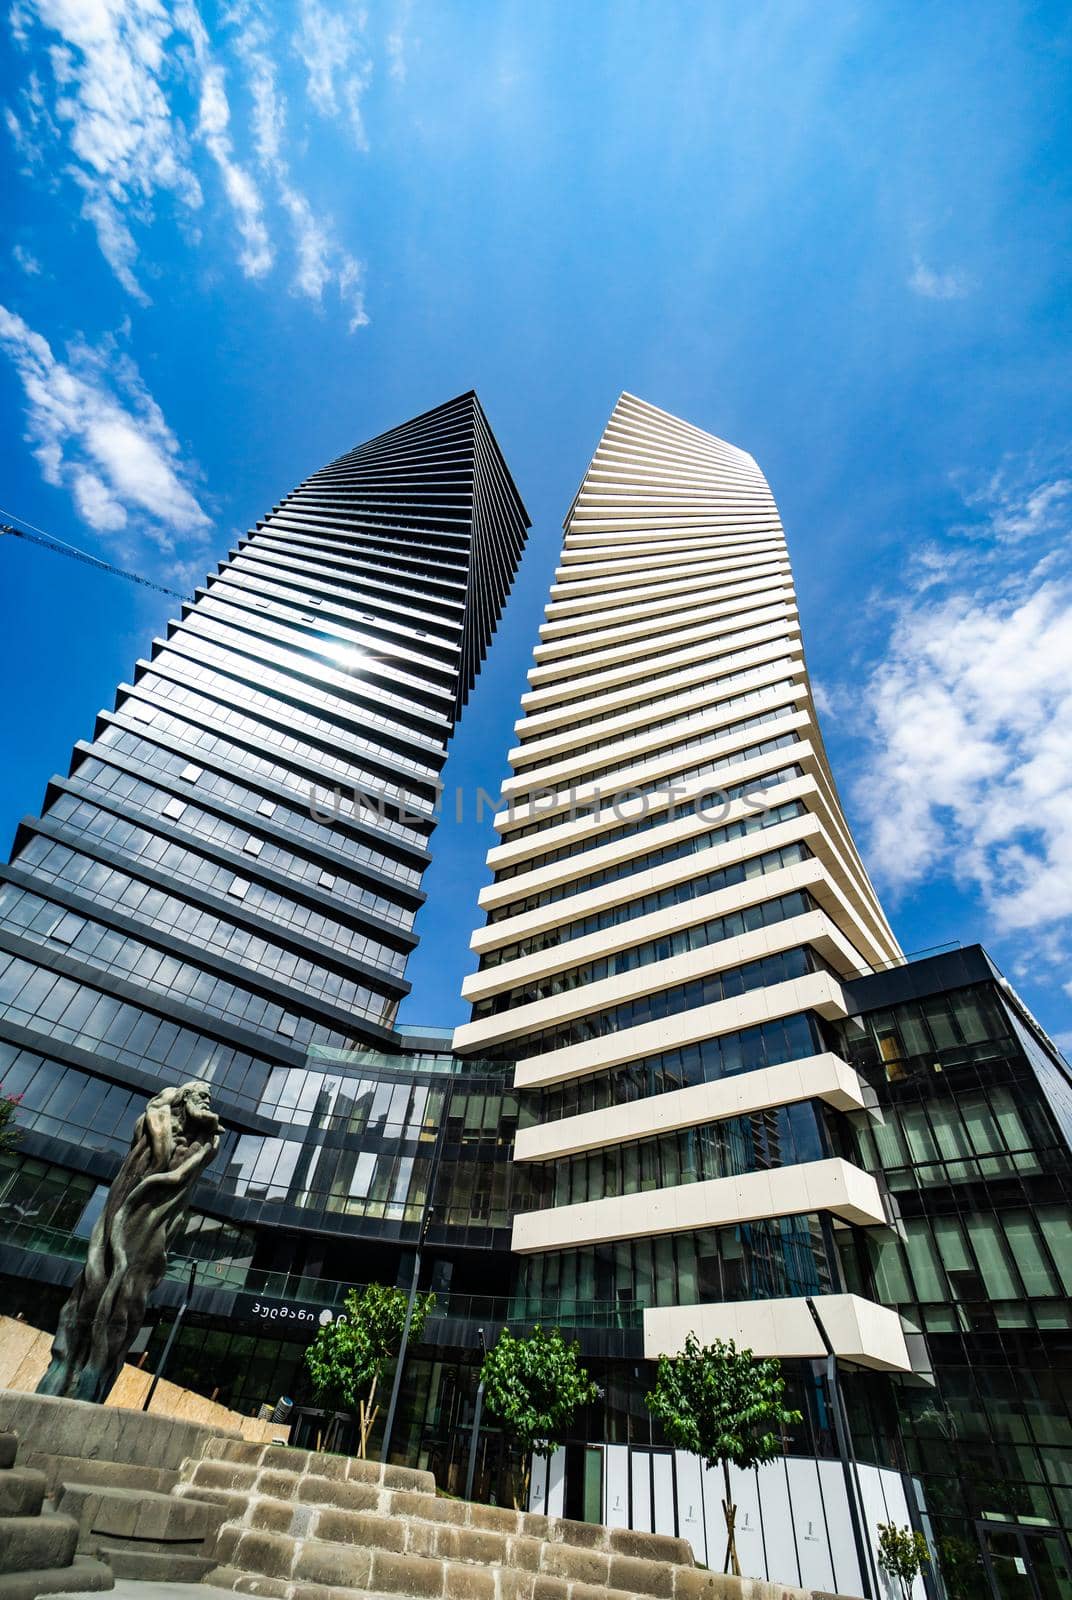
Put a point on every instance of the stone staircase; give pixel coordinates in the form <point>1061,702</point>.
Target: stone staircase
<point>142,1533</point>
<point>300,1525</point>
<point>38,1547</point>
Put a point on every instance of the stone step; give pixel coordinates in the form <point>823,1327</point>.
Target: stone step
<point>316,1569</point>
<point>22,1492</point>
<point>187,1525</point>
<point>362,1549</point>
<point>284,1459</point>
<point>29,1544</point>
<point>84,1575</point>
<point>155,1566</point>
<point>59,1470</point>
<point>237,1487</point>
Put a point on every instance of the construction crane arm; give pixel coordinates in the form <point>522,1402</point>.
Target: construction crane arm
<point>91,561</point>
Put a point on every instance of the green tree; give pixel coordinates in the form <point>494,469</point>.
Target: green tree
<point>903,1553</point>
<point>535,1387</point>
<point>349,1356</point>
<point>959,1561</point>
<point>9,1134</point>
<point>725,1405</point>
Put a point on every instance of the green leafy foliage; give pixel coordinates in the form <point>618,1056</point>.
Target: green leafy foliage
<point>903,1553</point>
<point>349,1356</point>
<point>535,1387</point>
<point>9,1134</point>
<point>960,1564</point>
<point>725,1405</point>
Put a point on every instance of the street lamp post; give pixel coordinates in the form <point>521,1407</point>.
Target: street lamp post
<point>388,1427</point>
<point>475,1435</point>
<point>175,1326</point>
<point>848,1457</point>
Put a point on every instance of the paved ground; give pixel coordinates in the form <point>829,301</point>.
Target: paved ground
<point>135,1589</point>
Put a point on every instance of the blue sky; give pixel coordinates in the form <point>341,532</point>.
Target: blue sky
<point>243,238</point>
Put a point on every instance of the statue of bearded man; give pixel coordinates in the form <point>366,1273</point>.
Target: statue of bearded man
<point>174,1140</point>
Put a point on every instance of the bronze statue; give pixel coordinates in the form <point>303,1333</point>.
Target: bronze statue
<point>174,1140</point>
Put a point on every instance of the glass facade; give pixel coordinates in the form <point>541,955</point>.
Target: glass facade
<point>968,1135</point>
<point>224,887</point>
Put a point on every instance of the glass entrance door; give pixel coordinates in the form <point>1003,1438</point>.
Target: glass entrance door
<point>1026,1563</point>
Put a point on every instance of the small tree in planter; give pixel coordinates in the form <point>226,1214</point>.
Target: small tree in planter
<point>349,1356</point>
<point>903,1553</point>
<point>725,1405</point>
<point>9,1134</point>
<point>535,1387</point>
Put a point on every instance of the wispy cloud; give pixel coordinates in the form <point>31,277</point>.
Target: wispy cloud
<point>321,260</point>
<point>933,285</point>
<point>1023,500</point>
<point>26,261</point>
<point>338,69</point>
<point>397,42</point>
<point>119,71</point>
<point>969,768</point>
<point>97,432</point>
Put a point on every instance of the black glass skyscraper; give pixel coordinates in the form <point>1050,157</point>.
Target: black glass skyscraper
<point>228,876</point>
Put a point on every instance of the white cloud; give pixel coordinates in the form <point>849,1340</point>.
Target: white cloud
<point>97,432</point>
<point>123,73</point>
<point>396,43</point>
<point>1018,503</point>
<point>321,261</point>
<point>26,260</point>
<point>214,116</point>
<point>337,66</point>
<point>969,771</point>
<point>933,285</point>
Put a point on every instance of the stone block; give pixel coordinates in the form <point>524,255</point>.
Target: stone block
<point>272,1588</point>
<point>360,1527</point>
<point>85,1575</point>
<point>468,1583</point>
<point>274,1516</point>
<point>339,1492</point>
<point>523,1553</point>
<point>9,1446</point>
<point>37,1543</point>
<point>22,1490</point>
<point>650,1546</point>
<point>346,1565</point>
<point>692,1583</point>
<point>222,1475</point>
<point>642,1577</point>
<point>479,1545</point>
<point>277,1485</point>
<point>358,1471</point>
<point>547,1588</point>
<point>426,1538</point>
<point>258,1551</point>
<point>535,1524</point>
<point>60,1470</point>
<point>574,1564</point>
<point>500,1519</point>
<point>407,1503</point>
<point>243,1451</point>
<point>515,1585</point>
<point>409,1478</point>
<point>414,1576</point>
<point>587,1535</point>
<point>61,1427</point>
<point>155,1566</point>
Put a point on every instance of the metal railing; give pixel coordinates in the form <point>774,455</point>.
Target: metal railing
<point>290,1289</point>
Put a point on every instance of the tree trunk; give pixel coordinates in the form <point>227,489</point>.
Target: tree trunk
<point>729,1511</point>
<point>520,1479</point>
<point>367,1418</point>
